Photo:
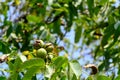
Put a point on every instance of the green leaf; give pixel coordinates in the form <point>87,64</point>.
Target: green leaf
<point>117,31</point>
<point>17,2</point>
<point>19,77</point>
<point>69,15</point>
<point>102,2</point>
<point>9,31</point>
<point>90,78</point>
<point>101,66</point>
<point>102,77</point>
<point>56,5</point>
<point>33,19</point>
<point>49,71</point>
<point>2,78</point>
<point>33,62</point>
<point>53,77</point>
<point>73,9</point>
<point>111,20</point>
<point>18,29</point>
<point>80,6</point>
<point>14,76</point>
<point>31,72</point>
<point>117,78</point>
<point>63,78</point>
<point>97,10</point>
<point>17,62</point>
<point>117,26</point>
<point>78,32</point>
<point>76,68</point>
<point>59,61</point>
<point>90,4</point>
<point>108,33</point>
<point>44,34</point>
<point>15,70</point>
<point>11,66</point>
<point>64,1</point>
<point>4,47</point>
<point>23,58</point>
<point>56,28</point>
<point>74,77</point>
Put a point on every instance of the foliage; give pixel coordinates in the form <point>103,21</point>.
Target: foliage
<point>26,26</point>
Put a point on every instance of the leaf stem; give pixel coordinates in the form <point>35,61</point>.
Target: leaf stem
<point>68,72</point>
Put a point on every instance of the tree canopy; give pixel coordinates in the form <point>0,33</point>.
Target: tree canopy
<point>59,39</point>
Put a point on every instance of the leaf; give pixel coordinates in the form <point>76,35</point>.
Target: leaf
<point>90,4</point>
<point>97,10</point>
<point>59,61</point>
<point>17,62</point>
<point>114,30</point>
<point>76,68</point>
<point>17,2</point>
<point>44,34</point>
<point>4,47</point>
<point>2,78</point>
<point>11,66</point>
<point>102,77</point>
<point>117,25</point>
<point>56,28</point>
<point>14,76</point>
<point>101,66</point>
<point>56,5</point>
<point>31,72</point>
<point>117,78</point>
<point>78,32</point>
<point>53,77</point>
<point>117,28</point>
<point>108,33</point>
<point>18,29</point>
<point>74,77</point>
<point>80,6</point>
<point>23,58</point>
<point>49,71</point>
<point>33,19</point>
<point>102,2</point>
<point>33,62</point>
<point>73,9</point>
<point>13,35</point>
<point>111,20</point>
<point>19,77</point>
<point>15,70</point>
<point>63,78</point>
<point>90,78</point>
<point>9,31</point>
<point>64,1</point>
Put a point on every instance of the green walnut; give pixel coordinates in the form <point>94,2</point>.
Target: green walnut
<point>49,47</point>
<point>48,44</point>
<point>40,43</point>
<point>42,53</point>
